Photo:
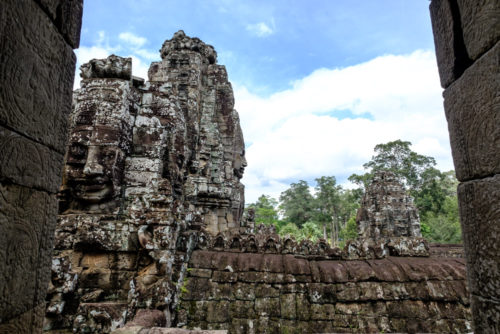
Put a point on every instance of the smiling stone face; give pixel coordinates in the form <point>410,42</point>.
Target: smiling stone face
<point>99,142</point>
<point>94,167</point>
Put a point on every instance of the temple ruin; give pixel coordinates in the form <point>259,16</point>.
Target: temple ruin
<point>38,64</point>
<point>151,233</point>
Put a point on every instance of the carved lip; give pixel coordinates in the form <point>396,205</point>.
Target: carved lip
<point>95,193</point>
<point>92,189</point>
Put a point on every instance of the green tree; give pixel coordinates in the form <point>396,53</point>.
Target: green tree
<point>349,231</point>
<point>432,189</point>
<point>397,157</point>
<point>310,231</point>
<point>297,203</point>
<point>327,204</point>
<point>265,210</point>
<point>334,205</point>
<point>290,229</point>
<point>443,227</point>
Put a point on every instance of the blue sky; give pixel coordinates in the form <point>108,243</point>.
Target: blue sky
<point>317,83</point>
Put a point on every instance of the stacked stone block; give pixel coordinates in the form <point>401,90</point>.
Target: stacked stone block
<point>467,37</point>
<point>387,210</point>
<point>285,293</point>
<point>37,65</point>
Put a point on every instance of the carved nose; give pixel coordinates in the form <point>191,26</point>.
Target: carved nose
<point>92,166</point>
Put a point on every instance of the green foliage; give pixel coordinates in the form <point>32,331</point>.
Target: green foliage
<point>265,210</point>
<point>362,181</point>
<point>297,203</point>
<point>332,209</point>
<point>184,290</point>
<point>397,157</point>
<point>350,230</point>
<point>444,226</point>
<point>310,231</point>
<point>290,229</point>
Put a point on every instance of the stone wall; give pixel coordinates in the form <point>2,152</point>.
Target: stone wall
<point>285,293</point>
<point>467,39</point>
<point>37,67</point>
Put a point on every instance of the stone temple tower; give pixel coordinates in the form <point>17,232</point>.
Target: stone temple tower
<point>150,166</point>
<point>387,211</point>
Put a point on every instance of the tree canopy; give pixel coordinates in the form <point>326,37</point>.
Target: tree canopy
<point>330,212</point>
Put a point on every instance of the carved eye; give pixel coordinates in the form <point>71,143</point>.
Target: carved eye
<point>77,151</point>
<point>109,155</point>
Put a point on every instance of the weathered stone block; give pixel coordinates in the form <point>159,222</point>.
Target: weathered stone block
<point>244,291</point>
<point>266,325</point>
<point>197,310</point>
<point>218,311</point>
<point>445,37</point>
<point>95,261</point>
<point>472,107</point>
<point>480,25</point>
<point>346,292</point>
<point>27,222</point>
<point>359,270</point>
<point>486,315</point>
<point>266,290</point>
<point>67,16</point>
<point>303,306</point>
<point>242,309</point>
<point>288,306</point>
<point>272,263</point>
<point>296,266</point>
<point>387,271</point>
<point>28,163</point>
<point>197,289</point>
<point>480,219</point>
<point>203,273</point>
<point>322,311</point>
<point>322,293</point>
<point>29,322</point>
<point>332,272</point>
<point>221,291</point>
<point>202,259</point>
<point>227,262</point>
<point>36,97</point>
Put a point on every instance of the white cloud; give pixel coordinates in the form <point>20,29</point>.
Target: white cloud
<point>139,68</point>
<point>149,55</point>
<point>133,40</point>
<point>260,29</point>
<point>303,132</point>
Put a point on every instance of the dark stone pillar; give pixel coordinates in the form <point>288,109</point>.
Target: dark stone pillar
<point>467,39</point>
<point>37,67</point>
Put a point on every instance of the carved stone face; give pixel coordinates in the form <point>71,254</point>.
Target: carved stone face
<point>94,165</point>
<point>239,164</point>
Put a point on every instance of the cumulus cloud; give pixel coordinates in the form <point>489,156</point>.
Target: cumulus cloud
<point>260,29</point>
<point>133,40</point>
<point>329,122</point>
